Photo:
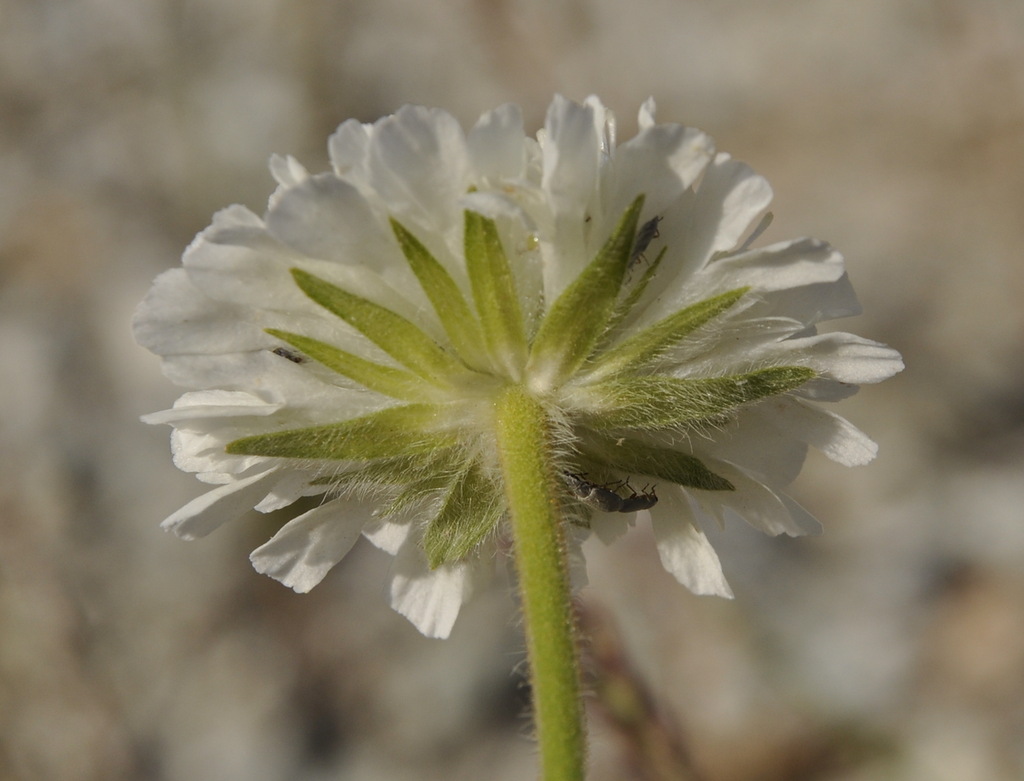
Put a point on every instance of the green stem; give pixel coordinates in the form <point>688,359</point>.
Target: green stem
<point>524,446</point>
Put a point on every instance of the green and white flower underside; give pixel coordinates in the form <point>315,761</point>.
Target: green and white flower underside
<point>351,346</point>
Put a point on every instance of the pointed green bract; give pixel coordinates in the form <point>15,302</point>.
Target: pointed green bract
<point>391,472</point>
<point>470,511</point>
<point>627,455</point>
<point>415,476</point>
<point>579,316</point>
<point>656,402</point>
<point>395,431</point>
<point>459,323</point>
<point>379,472</point>
<point>395,335</point>
<point>388,380</point>
<point>431,473</point>
<point>494,291</point>
<point>651,343</point>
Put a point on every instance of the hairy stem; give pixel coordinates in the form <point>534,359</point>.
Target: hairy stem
<point>523,433</point>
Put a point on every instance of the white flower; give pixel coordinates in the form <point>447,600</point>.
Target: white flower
<point>348,345</point>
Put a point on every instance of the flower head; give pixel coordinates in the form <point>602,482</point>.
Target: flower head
<point>350,345</point>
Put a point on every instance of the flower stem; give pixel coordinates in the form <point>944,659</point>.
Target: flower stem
<point>524,445</point>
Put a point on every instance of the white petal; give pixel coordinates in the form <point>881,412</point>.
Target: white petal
<point>348,149</point>
<point>833,435</point>
<point>756,442</point>
<point>304,387</point>
<point>754,502</point>
<point>784,265</point>
<point>430,599</point>
<point>419,166</point>
<point>388,536</point>
<point>684,549</point>
<point>195,449</point>
<point>645,117</point>
<point>844,357</point>
<point>660,162</point>
<point>286,491</point>
<point>247,271</point>
<point>729,198</point>
<point>327,218</point>
<point>571,152</point>
<point>287,170</point>
<point>304,549</point>
<point>176,317</point>
<point>806,521</point>
<point>604,123</point>
<point>497,144</point>
<point>812,303</point>
<point>208,512</point>
<point>235,224</point>
<point>271,377</point>
<point>497,205</point>
<point>212,404</point>
<point>737,194</point>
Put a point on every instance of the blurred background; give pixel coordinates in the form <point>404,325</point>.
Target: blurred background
<point>891,647</point>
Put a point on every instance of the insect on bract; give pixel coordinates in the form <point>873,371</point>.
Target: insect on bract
<point>600,497</point>
<point>647,233</point>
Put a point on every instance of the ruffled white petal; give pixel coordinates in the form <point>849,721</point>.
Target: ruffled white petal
<point>210,511</point>
<point>842,357</point>
<point>430,599</point>
<point>734,193</point>
<point>758,444</point>
<point>347,148</point>
<point>287,490</point>
<point>660,162</point>
<point>604,124</point>
<point>326,218</point>
<point>830,433</point>
<point>388,536</point>
<point>779,266</point>
<point>242,277</point>
<point>728,199</point>
<point>571,149</point>
<point>646,114</point>
<point>287,170</point>
<point>305,387</point>
<point>176,317</point>
<point>497,145</point>
<point>684,549</point>
<point>305,549</point>
<point>754,502</point>
<point>808,523</point>
<point>811,303</point>
<point>419,166</point>
<point>213,404</point>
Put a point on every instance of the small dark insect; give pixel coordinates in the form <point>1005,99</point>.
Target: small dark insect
<point>596,496</point>
<point>648,232</point>
<point>284,352</point>
<point>604,498</point>
<point>644,500</point>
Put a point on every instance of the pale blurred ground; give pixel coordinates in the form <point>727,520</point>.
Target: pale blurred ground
<point>892,647</point>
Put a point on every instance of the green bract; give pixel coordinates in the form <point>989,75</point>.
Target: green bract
<point>434,448</point>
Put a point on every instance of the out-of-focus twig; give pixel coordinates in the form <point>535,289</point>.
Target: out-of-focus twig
<point>653,741</point>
